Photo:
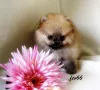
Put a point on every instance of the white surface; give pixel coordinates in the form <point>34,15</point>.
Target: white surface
<point>1,81</point>
<point>2,85</point>
<point>91,76</point>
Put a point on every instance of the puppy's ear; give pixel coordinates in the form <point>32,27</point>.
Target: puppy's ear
<point>69,20</point>
<point>43,19</point>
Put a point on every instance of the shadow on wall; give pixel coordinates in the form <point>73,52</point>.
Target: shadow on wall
<point>85,15</point>
<point>22,16</point>
<point>89,43</point>
<point>20,34</point>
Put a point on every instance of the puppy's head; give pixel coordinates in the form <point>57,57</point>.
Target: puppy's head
<point>56,31</point>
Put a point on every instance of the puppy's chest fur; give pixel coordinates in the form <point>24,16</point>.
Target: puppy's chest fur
<point>64,53</point>
<point>61,54</point>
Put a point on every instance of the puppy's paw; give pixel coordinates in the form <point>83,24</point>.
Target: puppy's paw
<point>70,67</point>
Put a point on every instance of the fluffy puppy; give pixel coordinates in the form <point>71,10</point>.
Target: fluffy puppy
<point>58,34</point>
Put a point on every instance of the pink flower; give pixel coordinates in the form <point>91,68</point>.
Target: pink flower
<point>33,70</point>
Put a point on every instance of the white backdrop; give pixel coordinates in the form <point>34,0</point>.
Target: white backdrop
<point>86,16</point>
<point>17,17</point>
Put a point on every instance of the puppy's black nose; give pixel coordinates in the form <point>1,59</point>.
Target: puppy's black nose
<point>57,43</point>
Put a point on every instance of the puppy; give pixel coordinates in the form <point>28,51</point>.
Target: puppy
<point>58,34</point>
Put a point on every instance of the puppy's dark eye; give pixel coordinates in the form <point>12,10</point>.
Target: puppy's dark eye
<point>50,37</point>
<point>62,38</point>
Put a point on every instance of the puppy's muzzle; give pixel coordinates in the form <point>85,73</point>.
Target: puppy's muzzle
<point>57,43</point>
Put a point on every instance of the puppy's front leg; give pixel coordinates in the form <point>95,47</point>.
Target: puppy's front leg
<point>70,65</point>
